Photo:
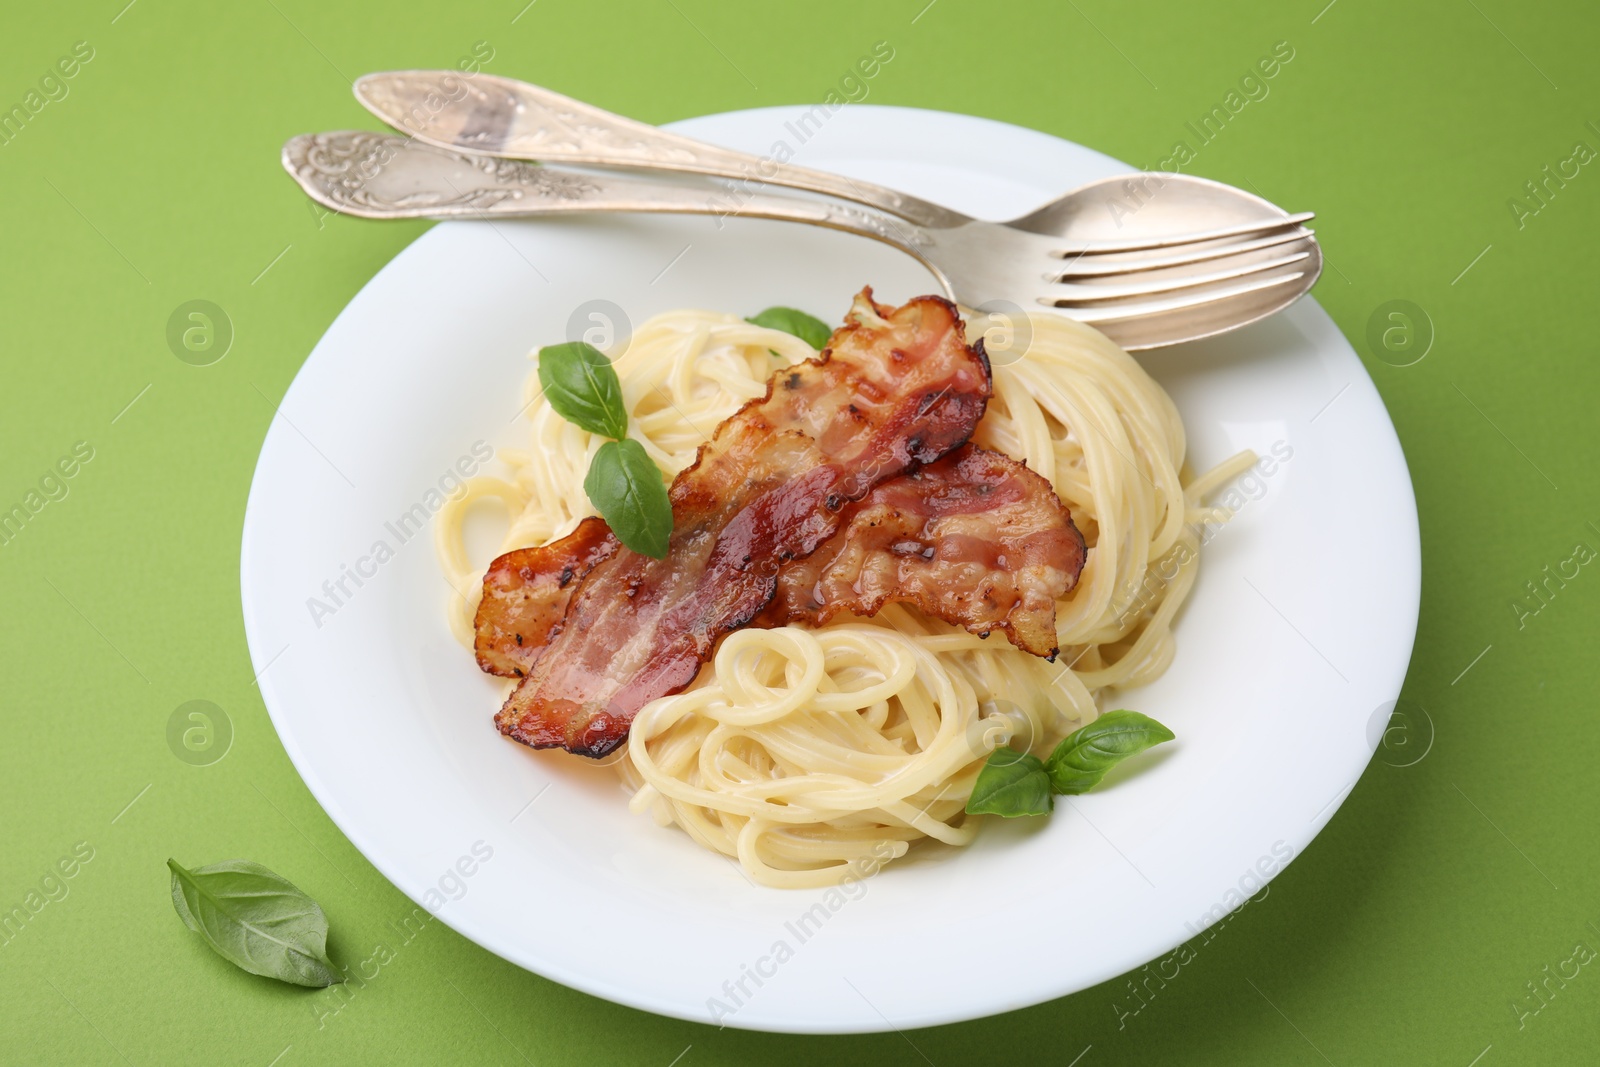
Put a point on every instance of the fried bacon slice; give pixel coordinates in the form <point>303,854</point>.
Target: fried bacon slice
<point>976,539</point>
<point>526,593</point>
<point>894,389</point>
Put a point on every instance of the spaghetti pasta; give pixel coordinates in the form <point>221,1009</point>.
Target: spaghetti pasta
<point>802,752</point>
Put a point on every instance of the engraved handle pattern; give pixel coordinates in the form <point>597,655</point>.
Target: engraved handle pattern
<point>505,117</point>
<point>385,176</point>
<point>354,171</point>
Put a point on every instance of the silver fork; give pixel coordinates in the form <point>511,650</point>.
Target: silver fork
<point>1200,241</point>
<point>1140,300</point>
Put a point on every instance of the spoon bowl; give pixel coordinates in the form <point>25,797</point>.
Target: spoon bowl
<point>1110,226</point>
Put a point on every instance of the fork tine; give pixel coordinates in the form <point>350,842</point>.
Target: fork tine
<point>1080,293</point>
<point>1098,269</point>
<point>1155,307</point>
<point>1140,244</point>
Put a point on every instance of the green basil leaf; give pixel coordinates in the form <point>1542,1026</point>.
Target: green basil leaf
<point>1011,783</point>
<point>1085,755</point>
<point>582,386</point>
<point>255,920</point>
<point>812,331</point>
<point>625,486</point>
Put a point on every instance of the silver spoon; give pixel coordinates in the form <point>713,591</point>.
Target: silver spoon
<point>1100,226</point>
<point>486,114</point>
<point>993,268</point>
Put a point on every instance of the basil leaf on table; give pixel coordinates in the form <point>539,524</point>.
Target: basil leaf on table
<point>582,387</point>
<point>812,331</point>
<point>255,920</point>
<point>1085,755</point>
<point>1011,783</point>
<point>625,486</point>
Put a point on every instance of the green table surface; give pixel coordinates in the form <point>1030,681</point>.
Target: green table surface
<point>1445,914</point>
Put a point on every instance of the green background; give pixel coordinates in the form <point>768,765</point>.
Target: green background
<point>1404,934</point>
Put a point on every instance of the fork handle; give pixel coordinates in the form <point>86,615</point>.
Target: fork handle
<point>485,114</point>
<point>386,176</point>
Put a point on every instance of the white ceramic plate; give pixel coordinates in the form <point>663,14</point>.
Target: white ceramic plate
<point>1297,635</point>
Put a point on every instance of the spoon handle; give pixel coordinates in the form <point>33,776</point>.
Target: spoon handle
<point>386,176</point>
<point>485,114</point>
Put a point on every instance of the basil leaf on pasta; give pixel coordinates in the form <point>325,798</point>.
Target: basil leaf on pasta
<point>256,920</point>
<point>1011,783</point>
<point>625,486</point>
<point>582,387</point>
<point>1085,755</point>
<point>811,330</point>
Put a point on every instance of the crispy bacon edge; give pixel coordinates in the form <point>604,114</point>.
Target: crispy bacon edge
<point>976,539</point>
<point>526,593</point>
<point>769,487</point>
